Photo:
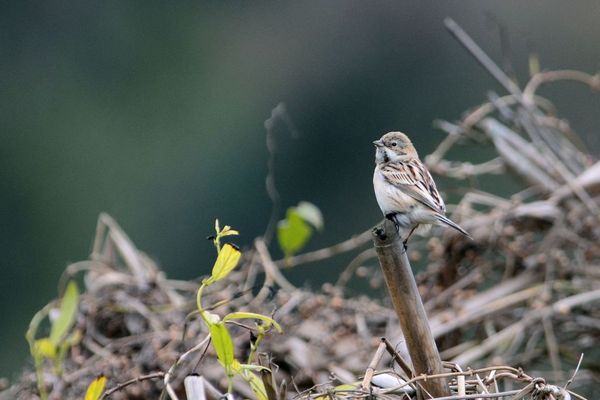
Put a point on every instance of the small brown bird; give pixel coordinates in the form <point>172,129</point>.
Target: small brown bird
<point>405,190</point>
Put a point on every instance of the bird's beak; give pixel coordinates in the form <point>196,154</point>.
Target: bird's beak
<point>378,143</point>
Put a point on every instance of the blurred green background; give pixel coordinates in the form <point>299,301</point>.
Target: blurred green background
<point>153,112</point>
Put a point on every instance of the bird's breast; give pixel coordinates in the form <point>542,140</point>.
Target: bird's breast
<point>390,198</point>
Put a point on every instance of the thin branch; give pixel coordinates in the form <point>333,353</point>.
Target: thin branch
<point>481,56</point>
<point>480,395</point>
<point>552,345</point>
<point>327,252</point>
<point>593,81</point>
<point>366,383</point>
<point>138,379</point>
<point>516,374</point>
<point>574,372</point>
<point>182,358</point>
<point>356,262</point>
<point>271,268</point>
<point>401,362</point>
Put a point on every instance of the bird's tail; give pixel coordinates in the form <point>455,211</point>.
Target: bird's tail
<point>451,224</point>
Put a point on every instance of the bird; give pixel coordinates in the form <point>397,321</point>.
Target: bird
<point>404,188</point>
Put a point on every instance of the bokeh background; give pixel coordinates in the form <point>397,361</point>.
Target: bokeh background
<point>153,112</point>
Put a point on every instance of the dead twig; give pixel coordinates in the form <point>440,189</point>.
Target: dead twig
<point>366,383</point>
<point>593,81</point>
<point>272,272</point>
<point>121,386</point>
<point>347,245</point>
<point>572,378</point>
<point>481,56</point>
<point>181,359</point>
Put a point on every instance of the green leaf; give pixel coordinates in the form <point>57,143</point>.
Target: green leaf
<point>66,318</point>
<point>534,64</point>
<point>227,231</point>
<point>343,388</point>
<point>226,261</point>
<point>346,387</point>
<point>95,389</point>
<point>45,348</point>
<point>210,318</point>
<point>292,233</point>
<point>256,384</point>
<point>252,367</point>
<point>223,344</point>
<point>250,315</point>
<point>311,214</point>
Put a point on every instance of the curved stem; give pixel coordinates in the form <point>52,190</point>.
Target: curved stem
<point>199,302</point>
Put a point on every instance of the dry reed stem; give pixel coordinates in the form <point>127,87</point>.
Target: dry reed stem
<point>409,308</point>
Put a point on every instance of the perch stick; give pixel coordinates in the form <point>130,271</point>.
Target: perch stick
<point>409,307</point>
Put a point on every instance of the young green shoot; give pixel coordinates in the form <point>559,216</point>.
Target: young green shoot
<point>228,256</point>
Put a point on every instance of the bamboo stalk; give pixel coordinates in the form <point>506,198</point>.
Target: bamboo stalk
<point>409,307</point>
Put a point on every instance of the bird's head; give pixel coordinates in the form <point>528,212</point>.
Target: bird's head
<point>394,146</point>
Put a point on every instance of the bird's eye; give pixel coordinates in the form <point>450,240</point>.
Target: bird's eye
<point>394,144</point>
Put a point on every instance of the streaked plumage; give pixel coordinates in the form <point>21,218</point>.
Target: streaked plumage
<point>405,190</point>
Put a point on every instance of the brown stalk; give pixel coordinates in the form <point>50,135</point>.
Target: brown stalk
<point>409,307</point>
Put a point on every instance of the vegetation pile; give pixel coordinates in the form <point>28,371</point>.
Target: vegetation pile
<point>512,311</point>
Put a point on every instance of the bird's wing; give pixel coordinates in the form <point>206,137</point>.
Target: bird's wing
<point>413,179</point>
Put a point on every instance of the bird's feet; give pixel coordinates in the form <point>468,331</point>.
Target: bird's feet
<point>405,242</point>
<point>392,217</point>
